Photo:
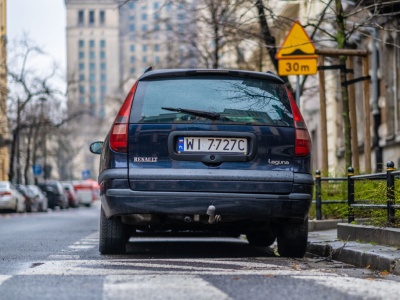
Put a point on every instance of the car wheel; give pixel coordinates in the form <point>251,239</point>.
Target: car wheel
<point>292,240</point>
<point>260,238</point>
<point>23,209</point>
<point>113,235</point>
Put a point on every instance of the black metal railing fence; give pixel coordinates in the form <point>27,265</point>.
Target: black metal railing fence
<point>352,203</point>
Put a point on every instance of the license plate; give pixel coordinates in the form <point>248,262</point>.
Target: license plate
<point>212,144</point>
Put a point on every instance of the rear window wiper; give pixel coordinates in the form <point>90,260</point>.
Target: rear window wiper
<point>199,113</point>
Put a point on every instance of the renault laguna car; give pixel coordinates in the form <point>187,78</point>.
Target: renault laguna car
<point>207,150</point>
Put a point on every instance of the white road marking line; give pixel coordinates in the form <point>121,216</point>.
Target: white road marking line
<point>80,247</point>
<point>4,278</point>
<point>137,267</point>
<point>160,287</point>
<point>66,257</point>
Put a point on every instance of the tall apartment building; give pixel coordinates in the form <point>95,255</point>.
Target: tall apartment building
<point>4,159</point>
<point>108,48</point>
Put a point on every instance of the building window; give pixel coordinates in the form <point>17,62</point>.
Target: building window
<point>91,55</point>
<point>103,89</point>
<point>157,59</point>
<point>102,54</point>
<point>168,6</point>
<point>101,112</point>
<point>81,43</point>
<point>102,66</point>
<point>144,27</point>
<point>144,17</point>
<point>156,47</point>
<point>92,67</point>
<point>133,70</point>
<point>144,47</point>
<point>92,77</point>
<point>103,77</point>
<point>132,59</point>
<point>131,27</point>
<point>81,55</point>
<point>181,17</point>
<point>131,5</point>
<point>81,77</point>
<point>102,43</point>
<point>81,89</point>
<point>144,59</point>
<point>81,100</point>
<point>81,66</point>
<point>168,27</point>
<point>102,17</point>
<point>91,17</point>
<point>92,89</point>
<point>92,99</point>
<point>156,27</point>
<point>156,5</point>
<point>156,17</point>
<point>131,18</point>
<point>132,48</point>
<point>81,17</point>
<point>91,43</point>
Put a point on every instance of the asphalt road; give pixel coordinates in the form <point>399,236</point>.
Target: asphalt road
<point>54,256</point>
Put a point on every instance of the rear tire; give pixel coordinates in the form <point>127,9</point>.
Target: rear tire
<point>113,235</point>
<point>292,240</point>
<point>260,238</point>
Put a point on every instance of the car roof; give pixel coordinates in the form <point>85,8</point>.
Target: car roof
<point>196,72</point>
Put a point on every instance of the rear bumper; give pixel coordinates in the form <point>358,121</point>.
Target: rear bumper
<point>7,203</point>
<point>119,199</point>
<point>123,202</point>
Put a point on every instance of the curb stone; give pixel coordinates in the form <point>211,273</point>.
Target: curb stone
<point>375,257</point>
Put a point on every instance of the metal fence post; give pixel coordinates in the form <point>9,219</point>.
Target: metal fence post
<point>390,198</point>
<point>318,203</point>
<point>350,194</point>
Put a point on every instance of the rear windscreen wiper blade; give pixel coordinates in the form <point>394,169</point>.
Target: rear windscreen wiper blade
<point>200,113</point>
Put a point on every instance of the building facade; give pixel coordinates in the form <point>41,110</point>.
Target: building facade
<point>381,38</point>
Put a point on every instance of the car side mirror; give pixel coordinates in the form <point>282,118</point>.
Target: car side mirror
<point>96,147</point>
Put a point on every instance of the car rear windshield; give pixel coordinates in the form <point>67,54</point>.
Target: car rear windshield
<point>216,99</point>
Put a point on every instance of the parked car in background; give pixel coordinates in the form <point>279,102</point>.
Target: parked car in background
<point>55,193</point>
<point>41,197</point>
<point>72,196</point>
<point>10,198</point>
<point>31,201</point>
<point>222,150</point>
<point>84,191</point>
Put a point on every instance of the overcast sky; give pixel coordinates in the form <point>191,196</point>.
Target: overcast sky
<point>44,21</point>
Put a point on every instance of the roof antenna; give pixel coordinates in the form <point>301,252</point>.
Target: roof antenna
<point>148,69</point>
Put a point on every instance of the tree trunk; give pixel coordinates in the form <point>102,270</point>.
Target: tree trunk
<point>12,155</point>
<point>341,39</point>
<point>269,40</point>
<point>28,154</point>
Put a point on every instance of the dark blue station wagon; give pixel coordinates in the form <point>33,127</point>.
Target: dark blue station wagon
<point>207,150</point>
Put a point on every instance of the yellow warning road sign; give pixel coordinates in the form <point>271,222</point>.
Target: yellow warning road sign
<point>297,44</point>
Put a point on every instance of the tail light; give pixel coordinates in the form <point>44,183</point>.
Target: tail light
<point>5,193</point>
<point>119,129</point>
<point>302,145</point>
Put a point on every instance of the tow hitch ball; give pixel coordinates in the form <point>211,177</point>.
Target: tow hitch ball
<point>212,217</point>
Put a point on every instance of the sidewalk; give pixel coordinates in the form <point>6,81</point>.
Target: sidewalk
<point>325,243</point>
